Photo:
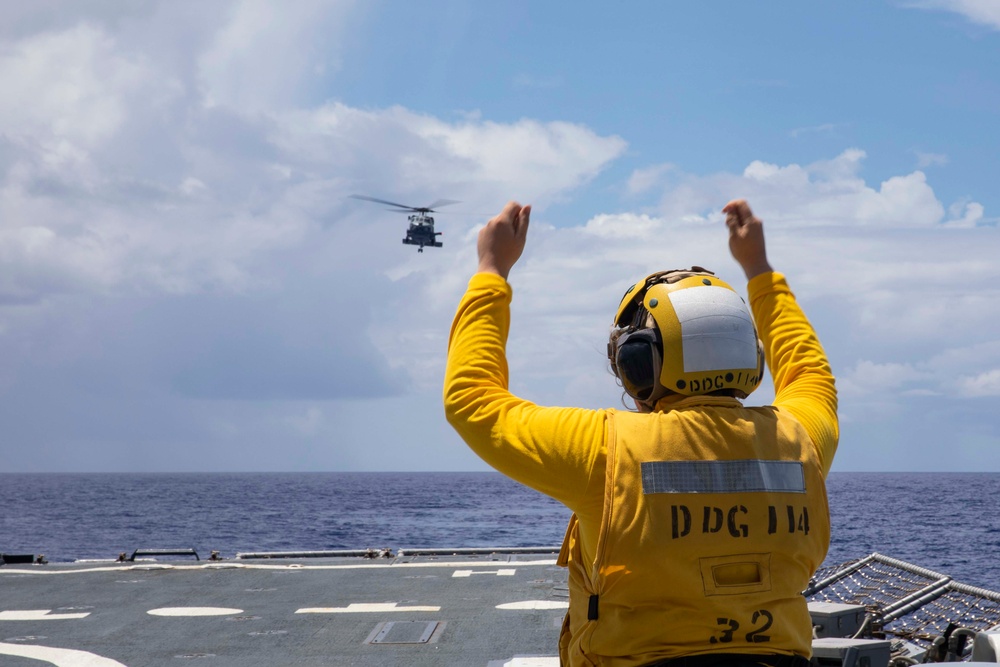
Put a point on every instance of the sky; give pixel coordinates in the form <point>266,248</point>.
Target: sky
<point>187,285</point>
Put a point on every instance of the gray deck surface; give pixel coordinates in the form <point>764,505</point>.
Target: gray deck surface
<point>285,612</point>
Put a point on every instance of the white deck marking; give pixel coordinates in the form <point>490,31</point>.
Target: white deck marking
<point>194,611</point>
<point>469,573</point>
<point>534,604</point>
<point>363,607</point>
<point>61,657</point>
<point>532,661</point>
<point>248,566</point>
<point>38,615</point>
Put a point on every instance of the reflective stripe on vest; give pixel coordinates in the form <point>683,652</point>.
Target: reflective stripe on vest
<point>747,476</point>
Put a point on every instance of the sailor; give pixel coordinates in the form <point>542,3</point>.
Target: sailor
<point>697,521</point>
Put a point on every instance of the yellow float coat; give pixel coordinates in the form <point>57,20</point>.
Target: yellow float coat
<point>565,453</point>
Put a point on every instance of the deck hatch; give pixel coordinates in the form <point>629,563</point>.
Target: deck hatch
<point>404,632</point>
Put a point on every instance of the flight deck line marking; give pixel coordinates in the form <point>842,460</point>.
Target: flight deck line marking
<point>363,607</point>
<point>60,657</point>
<point>194,611</point>
<point>527,661</point>
<point>534,605</point>
<point>499,573</point>
<point>295,566</point>
<point>38,615</point>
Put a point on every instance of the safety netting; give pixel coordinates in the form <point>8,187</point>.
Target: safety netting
<point>908,602</point>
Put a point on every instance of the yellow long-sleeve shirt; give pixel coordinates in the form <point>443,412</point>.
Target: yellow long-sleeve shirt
<point>562,452</point>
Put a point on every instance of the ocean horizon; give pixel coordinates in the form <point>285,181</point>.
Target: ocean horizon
<point>948,522</point>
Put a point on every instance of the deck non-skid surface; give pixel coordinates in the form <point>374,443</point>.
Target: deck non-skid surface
<point>464,611</point>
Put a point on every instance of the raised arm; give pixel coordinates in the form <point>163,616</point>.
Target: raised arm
<point>558,451</point>
<point>803,382</point>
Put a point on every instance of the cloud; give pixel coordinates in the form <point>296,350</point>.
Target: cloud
<point>823,193</point>
<point>982,12</point>
<point>968,370</point>
<point>32,18</point>
<point>832,192</point>
<point>643,180</point>
<point>182,264</point>
<point>471,160</point>
<point>876,378</point>
<point>954,372</point>
<point>210,200</point>
<point>199,237</point>
<point>183,268</point>
<point>77,84</point>
<point>965,214</point>
<point>925,160</point>
<point>905,301</point>
<point>622,225</point>
<point>527,154</point>
<point>983,384</point>
<point>263,55</point>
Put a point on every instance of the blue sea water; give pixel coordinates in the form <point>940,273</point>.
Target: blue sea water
<point>948,522</point>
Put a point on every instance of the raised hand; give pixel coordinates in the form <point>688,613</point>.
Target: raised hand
<point>501,241</point>
<point>746,238</point>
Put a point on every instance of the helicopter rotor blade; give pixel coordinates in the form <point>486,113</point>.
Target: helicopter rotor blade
<point>383,201</point>
<point>439,203</point>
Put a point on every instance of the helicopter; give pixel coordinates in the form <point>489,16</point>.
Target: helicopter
<point>421,232</point>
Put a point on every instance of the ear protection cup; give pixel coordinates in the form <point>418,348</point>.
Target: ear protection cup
<point>638,357</point>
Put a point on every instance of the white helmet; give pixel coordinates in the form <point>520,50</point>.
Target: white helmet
<point>687,332</point>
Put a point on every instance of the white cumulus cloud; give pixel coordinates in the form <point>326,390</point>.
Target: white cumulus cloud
<point>827,192</point>
<point>870,378</point>
<point>65,92</point>
<point>264,53</point>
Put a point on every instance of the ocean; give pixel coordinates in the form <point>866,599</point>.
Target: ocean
<point>949,522</point>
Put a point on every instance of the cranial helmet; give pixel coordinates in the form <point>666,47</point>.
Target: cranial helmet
<point>684,331</point>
